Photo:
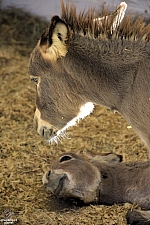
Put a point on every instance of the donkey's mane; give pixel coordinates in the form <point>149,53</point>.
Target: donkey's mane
<point>82,23</point>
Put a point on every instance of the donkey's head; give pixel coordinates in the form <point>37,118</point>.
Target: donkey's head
<point>57,102</point>
<point>75,176</point>
<point>60,97</point>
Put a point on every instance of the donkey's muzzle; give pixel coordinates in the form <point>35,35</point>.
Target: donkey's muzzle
<point>54,181</point>
<point>46,132</point>
<point>44,129</point>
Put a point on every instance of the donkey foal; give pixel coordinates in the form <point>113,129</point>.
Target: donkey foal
<point>102,179</point>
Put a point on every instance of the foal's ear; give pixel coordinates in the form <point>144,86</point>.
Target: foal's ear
<point>110,158</point>
<point>53,42</point>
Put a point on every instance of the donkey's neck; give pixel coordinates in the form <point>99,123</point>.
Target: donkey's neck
<point>105,69</point>
<point>125,183</point>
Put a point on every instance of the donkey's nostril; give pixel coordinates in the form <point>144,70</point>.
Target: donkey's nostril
<point>50,132</point>
<point>48,174</point>
<point>43,131</point>
<point>47,132</point>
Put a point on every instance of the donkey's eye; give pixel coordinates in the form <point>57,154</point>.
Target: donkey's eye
<point>65,158</point>
<point>35,79</point>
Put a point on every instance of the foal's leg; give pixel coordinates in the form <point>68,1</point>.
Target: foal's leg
<point>138,217</point>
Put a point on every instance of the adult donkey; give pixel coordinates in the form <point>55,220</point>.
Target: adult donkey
<point>78,61</point>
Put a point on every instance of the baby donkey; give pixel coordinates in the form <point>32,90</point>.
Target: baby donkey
<point>103,179</point>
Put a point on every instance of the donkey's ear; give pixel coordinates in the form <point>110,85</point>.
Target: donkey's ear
<point>113,20</point>
<point>53,42</point>
<point>118,15</point>
<point>110,158</point>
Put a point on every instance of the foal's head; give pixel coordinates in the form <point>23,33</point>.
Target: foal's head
<point>77,176</point>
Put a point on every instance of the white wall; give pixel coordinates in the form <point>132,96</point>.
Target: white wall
<point>48,8</point>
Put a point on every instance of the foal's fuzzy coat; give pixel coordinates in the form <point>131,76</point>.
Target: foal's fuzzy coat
<point>102,179</point>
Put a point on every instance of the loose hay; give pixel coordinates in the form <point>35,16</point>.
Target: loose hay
<point>25,156</point>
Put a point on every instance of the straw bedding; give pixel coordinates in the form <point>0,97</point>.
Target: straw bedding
<point>25,156</point>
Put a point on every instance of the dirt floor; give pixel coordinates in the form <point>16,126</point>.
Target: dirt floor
<point>24,156</point>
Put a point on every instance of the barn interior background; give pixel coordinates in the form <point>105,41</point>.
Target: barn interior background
<point>24,156</point>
